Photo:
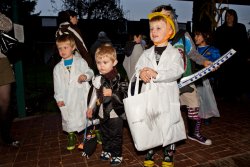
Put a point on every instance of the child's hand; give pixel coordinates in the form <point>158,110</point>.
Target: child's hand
<point>207,63</point>
<point>107,92</point>
<point>216,68</point>
<point>89,113</point>
<point>147,73</point>
<point>82,78</point>
<point>144,76</point>
<point>60,103</point>
<point>152,73</point>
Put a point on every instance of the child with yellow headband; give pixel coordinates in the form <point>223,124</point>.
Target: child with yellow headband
<point>164,65</point>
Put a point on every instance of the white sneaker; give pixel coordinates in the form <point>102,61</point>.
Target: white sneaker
<point>105,155</point>
<point>116,161</point>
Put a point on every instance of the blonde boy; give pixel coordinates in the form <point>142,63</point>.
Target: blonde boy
<point>108,94</point>
<point>71,76</point>
<point>164,65</point>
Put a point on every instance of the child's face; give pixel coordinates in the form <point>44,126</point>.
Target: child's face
<point>74,20</point>
<point>159,30</point>
<point>137,39</point>
<point>105,64</point>
<point>199,39</point>
<point>229,19</point>
<point>65,50</point>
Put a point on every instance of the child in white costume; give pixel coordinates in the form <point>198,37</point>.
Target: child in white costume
<point>71,76</point>
<point>163,63</point>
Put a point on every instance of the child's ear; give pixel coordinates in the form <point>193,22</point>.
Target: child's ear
<point>170,33</point>
<point>115,62</point>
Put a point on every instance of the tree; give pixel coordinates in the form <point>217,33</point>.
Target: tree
<point>95,9</point>
<point>80,6</point>
<point>24,8</point>
<point>105,9</point>
<point>205,13</point>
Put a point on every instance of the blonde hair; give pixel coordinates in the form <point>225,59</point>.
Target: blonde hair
<point>66,38</point>
<point>157,16</point>
<point>106,50</point>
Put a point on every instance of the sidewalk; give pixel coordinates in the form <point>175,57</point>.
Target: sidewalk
<point>43,144</point>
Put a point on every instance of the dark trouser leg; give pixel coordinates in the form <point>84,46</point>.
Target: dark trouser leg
<point>112,131</point>
<point>5,114</point>
<point>149,155</point>
<point>149,160</point>
<point>116,136</point>
<point>106,143</point>
<point>6,128</point>
<point>168,152</point>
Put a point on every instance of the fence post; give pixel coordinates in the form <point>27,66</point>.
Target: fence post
<point>18,67</point>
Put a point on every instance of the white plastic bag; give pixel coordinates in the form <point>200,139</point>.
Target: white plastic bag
<point>143,117</point>
<point>208,105</point>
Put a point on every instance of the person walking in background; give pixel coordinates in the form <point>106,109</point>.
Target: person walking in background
<point>208,105</point>
<point>144,41</point>
<point>6,79</point>
<point>67,21</point>
<point>71,76</point>
<point>188,95</point>
<point>232,34</point>
<point>163,64</point>
<point>132,51</point>
<point>108,94</point>
<point>102,39</point>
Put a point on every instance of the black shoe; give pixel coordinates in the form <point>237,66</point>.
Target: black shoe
<point>116,161</point>
<point>105,155</point>
<point>207,121</point>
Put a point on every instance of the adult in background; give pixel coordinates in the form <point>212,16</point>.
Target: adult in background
<point>231,34</point>
<point>102,38</point>
<point>67,21</point>
<point>6,78</point>
<point>133,50</point>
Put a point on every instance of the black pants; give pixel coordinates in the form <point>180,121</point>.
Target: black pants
<point>112,136</point>
<point>5,126</point>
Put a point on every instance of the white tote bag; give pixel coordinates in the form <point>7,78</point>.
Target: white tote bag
<point>208,105</point>
<point>143,116</point>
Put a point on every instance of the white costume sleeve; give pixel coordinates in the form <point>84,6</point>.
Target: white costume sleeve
<point>92,102</point>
